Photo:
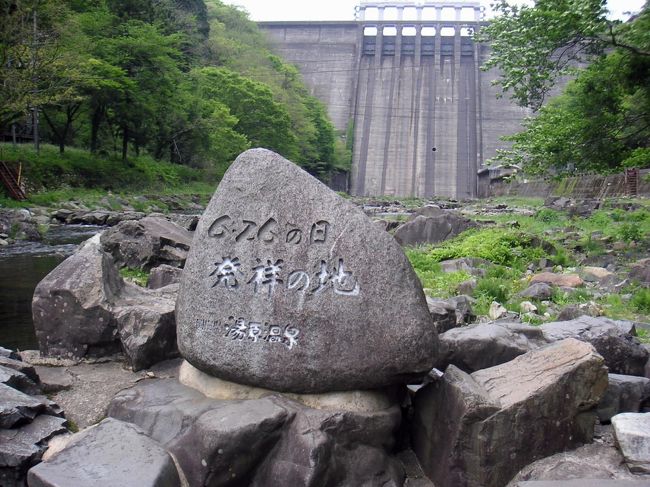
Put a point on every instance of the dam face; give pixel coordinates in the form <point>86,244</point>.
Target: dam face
<point>424,117</point>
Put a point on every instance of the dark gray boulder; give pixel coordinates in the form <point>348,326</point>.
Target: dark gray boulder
<point>445,413</point>
<point>432,229</point>
<point>71,307</point>
<point>18,380</point>
<point>443,313</point>
<point>6,353</point>
<point>163,409</point>
<point>589,464</point>
<point>622,352</point>
<point>84,309</point>
<point>464,311</point>
<point>286,288</point>
<point>476,347</point>
<point>147,243</point>
<point>115,217</point>
<point>22,447</point>
<point>539,290</point>
<point>575,311</point>
<point>479,430</point>
<point>147,331</point>
<point>163,275</point>
<point>334,448</point>
<point>18,365</point>
<point>112,453</point>
<point>625,394</point>
<point>18,408</point>
<point>226,444</point>
<point>640,272</point>
<point>268,441</point>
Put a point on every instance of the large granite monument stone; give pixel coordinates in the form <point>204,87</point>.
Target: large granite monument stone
<point>290,287</point>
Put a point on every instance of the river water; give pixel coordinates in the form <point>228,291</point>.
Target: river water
<point>22,266</point>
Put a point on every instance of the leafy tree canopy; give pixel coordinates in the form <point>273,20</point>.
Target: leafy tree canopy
<point>601,121</point>
<point>188,81</point>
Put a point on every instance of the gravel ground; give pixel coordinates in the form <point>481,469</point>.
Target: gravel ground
<point>84,390</point>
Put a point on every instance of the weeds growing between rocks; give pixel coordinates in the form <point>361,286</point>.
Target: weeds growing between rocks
<point>519,242</point>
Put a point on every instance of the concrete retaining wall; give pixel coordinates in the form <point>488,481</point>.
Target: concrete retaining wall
<point>589,186</point>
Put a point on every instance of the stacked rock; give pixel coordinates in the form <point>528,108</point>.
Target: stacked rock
<point>293,302</point>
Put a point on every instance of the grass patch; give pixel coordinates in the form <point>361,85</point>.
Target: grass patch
<point>437,283</point>
<point>498,245</point>
<point>493,289</point>
<point>136,276</point>
<point>641,301</point>
<point>442,284</point>
<point>643,335</point>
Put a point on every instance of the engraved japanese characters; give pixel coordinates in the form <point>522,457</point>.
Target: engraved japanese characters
<point>290,287</point>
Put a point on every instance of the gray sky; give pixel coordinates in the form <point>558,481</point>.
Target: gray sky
<point>344,9</point>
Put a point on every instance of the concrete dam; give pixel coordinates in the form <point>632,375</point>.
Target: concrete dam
<point>404,80</point>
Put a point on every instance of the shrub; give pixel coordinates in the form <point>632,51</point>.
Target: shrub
<point>558,296</point>
<point>561,257</point>
<point>630,232</point>
<point>639,158</point>
<point>493,288</point>
<point>548,215</point>
<point>641,300</point>
<point>498,245</point>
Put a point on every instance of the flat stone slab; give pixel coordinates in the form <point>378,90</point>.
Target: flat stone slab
<point>18,380</point>
<point>287,287</point>
<point>20,446</point>
<point>94,386</point>
<point>107,455</point>
<point>17,407</point>
<point>632,431</point>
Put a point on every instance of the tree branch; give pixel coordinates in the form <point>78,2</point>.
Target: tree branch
<point>616,43</point>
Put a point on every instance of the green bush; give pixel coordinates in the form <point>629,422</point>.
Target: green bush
<point>548,215</point>
<point>558,296</point>
<point>562,257</point>
<point>494,289</point>
<point>498,245</point>
<point>630,232</point>
<point>639,158</point>
<point>641,300</point>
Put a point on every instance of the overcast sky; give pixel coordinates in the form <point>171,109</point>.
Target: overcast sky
<point>344,9</point>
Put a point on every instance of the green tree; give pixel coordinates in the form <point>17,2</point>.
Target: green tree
<point>534,46</point>
<point>237,43</point>
<point>199,131</point>
<point>264,122</point>
<point>34,69</point>
<point>603,115</point>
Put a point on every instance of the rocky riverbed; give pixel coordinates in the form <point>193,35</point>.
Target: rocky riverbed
<point>551,296</point>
